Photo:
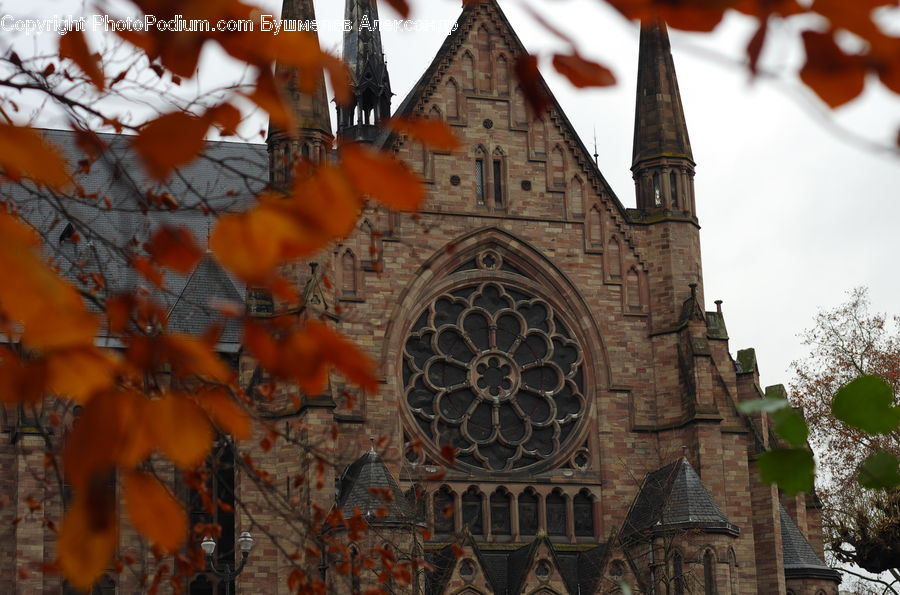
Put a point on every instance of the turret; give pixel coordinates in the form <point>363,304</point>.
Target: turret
<point>312,137</point>
<point>663,168</point>
<point>371,85</point>
<point>662,163</point>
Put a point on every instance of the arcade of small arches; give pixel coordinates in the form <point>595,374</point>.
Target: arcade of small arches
<point>507,515</point>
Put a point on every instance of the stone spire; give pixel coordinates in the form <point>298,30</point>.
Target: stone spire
<point>312,138</point>
<point>659,126</point>
<point>364,56</point>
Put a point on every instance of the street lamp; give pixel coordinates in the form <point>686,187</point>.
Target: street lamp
<point>245,544</point>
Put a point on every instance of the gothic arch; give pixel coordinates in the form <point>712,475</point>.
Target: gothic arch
<point>530,272</point>
<point>349,275</point>
<point>613,255</point>
<point>452,105</point>
<point>502,75</point>
<point>468,71</point>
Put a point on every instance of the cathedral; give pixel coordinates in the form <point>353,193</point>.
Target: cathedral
<point>557,410</point>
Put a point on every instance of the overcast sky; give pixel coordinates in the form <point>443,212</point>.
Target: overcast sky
<point>793,215</point>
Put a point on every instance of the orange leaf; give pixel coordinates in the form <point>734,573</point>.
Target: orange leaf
<point>383,177</point>
<point>346,356</point>
<point>583,73</point>
<point>225,412</point>
<point>21,381</point>
<point>190,356</point>
<point>172,140</point>
<point>87,540</point>
<point>80,372</point>
<point>148,271</point>
<point>267,96</point>
<point>73,46</point>
<point>251,244</point>
<point>153,511</point>
<point>401,6</point>
<point>25,153</point>
<point>174,248</point>
<point>182,429</point>
<point>50,310</point>
<point>835,77</point>
<point>433,133</point>
<point>530,78</point>
<point>227,117</point>
<point>109,430</point>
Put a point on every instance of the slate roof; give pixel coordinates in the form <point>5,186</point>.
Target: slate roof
<point>116,215</point>
<point>368,485</point>
<point>674,498</point>
<point>800,560</point>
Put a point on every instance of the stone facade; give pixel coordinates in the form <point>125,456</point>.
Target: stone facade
<point>559,340</point>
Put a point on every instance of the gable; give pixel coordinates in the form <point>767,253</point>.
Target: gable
<point>543,168</point>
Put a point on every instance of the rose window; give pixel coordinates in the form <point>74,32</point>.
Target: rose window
<point>492,371</point>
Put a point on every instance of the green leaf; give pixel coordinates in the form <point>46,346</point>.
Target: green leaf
<point>879,471</point>
<point>867,403</point>
<point>766,405</point>
<point>792,469</point>
<point>790,425</point>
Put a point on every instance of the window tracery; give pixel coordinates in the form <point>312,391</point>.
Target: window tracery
<point>491,370</point>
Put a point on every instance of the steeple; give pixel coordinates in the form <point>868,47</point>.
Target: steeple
<point>363,54</point>
<point>662,162</point>
<point>312,138</point>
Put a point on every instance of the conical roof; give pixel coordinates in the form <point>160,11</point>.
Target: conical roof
<point>368,485</point>
<point>660,129</point>
<point>311,111</point>
<point>674,498</point>
<point>800,560</point>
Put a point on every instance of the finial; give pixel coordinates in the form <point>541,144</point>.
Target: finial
<point>683,451</point>
<point>372,447</point>
<point>313,266</point>
<point>596,154</point>
<point>693,287</point>
<point>719,306</point>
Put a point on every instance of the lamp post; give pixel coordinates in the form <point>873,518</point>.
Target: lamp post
<point>245,544</point>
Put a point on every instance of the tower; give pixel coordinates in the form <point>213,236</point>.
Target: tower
<point>312,137</point>
<point>663,171</point>
<point>371,85</point>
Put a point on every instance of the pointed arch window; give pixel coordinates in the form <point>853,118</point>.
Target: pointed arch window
<point>480,178</point>
<point>595,227</point>
<point>519,108</point>
<point>416,498</point>
<point>556,513</point>
<point>538,137</point>
<point>528,512</point>
<point>485,61</point>
<point>501,522</point>
<point>468,70</point>
<point>678,572</point>
<point>614,258</point>
<point>349,284</point>
<point>502,75</point>
<point>709,573</point>
<point>452,90</point>
<point>557,166</point>
<point>633,290</point>
<point>733,572</point>
<point>498,178</point>
<point>355,570</point>
<point>583,510</point>
<point>472,511</point>
<point>657,191</point>
<point>576,197</point>
<point>444,511</point>
<point>673,188</point>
